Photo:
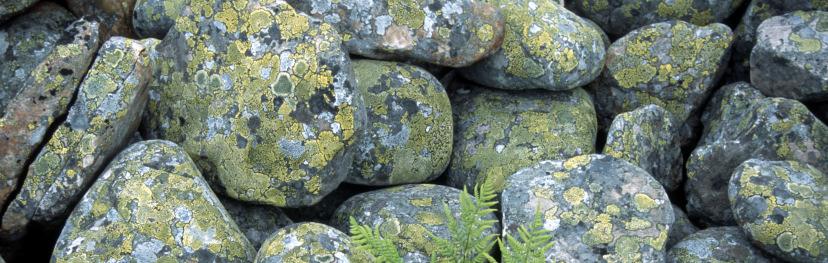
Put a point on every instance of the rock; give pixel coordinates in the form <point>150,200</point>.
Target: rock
<point>545,47</point>
<point>674,65</point>
<point>287,136</point>
<point>114,15</point>
<point>769,128</point>
<point>25,42</point>
<point>154,18</point>
<point>409,215</point>
<point>783,208</point>
<point>717,244</point>
<point>794,45</point>
<point>758,11</point>
<point>646,137</point>
<point>104,116</point>
<point>323,211</point>
<point>410,134</point>
<point>619,17</point>
<point>151,204</point>
<point>310,242</point>
<point>680,229</point>
<point>730,102</point>
<point>257,222</point>
<point>498,133</point>
<point>453,33</point>
<point>9,8</point>
<point>598,208</point>
<point>52,84</point>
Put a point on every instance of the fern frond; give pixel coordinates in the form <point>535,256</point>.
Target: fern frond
<point>532,244</point>
<point>372,241</point>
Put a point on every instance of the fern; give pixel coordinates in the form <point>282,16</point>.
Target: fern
<point>374,243</point>
<point>468,242</point>
<point>531,246</point>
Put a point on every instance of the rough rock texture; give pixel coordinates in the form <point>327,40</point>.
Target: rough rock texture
<point>783,208</point>
<point>9,8</point>
<point>758,11</point>
<point>619,17</point>
<point>681,228</point>
<point>646,137</point>
<point>151,204</point>
<point>52,85</point>
<point>452,33</point>
<point>747,127</point>
<point>263,99</point>
<point>795,46</point>
<point>498,133</point>
<point>104,116</point>
<point>154,18</point>
<point>407,214</point>
<point>674,65</point>
<point>717,244</point>
<point>115,16</point>
<point>257,222</point>
<point>545,47</point>
<point>25,42</point>
<point>598,208</point>
<point>409,135</point>
<point>310,242</point>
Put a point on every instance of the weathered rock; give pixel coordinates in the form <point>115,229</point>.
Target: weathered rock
<point>681,228</point>
<point>105,115</point>
<point>730,102</point>
<point>783,207</point>
<point>453,33</point>
<point>25,42</point>
<point>619,17</point>
<point>265,101</point>
<point>545,47</point>
<point>154,18</point>
<point>409,215</point>
<point>498,133</point>
<point>410,127</point>
<point>9,8</point>
<point>257,222</point>
<point>758,11</point>
<point>115,16</point>
<point>646,137</point>
<point>310,242</point>
<point>598,208</point>
<point>795,46</point>
<point>151,204</point>
<point>717,244</point>
<point>49,89</point>
<point>769,128</point>
<point>323,211</point>
<point>674,65</point>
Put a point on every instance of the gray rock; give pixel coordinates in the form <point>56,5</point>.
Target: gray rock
<point>257,222</point>
<point>681,228</point>
<point>151,204</point>
<point>598,208</point>
<point>9,8</point>
<point>730,102</point>
<point>310,242</point>
<point>115,16</point>
<point>717,244</point>
<point>154,18</point>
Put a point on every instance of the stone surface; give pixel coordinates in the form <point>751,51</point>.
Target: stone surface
<point>154,18</point>
<point>151,204</point>
<point>646,137</point>
<point>263,100</point>
<point>498,133</point>
<point>598,208</point>
<point>783,208</point>
<point>409,135</point>
<point>745,128</point>
<point>545,47</point>
<point>407,214</point>
<point>619,17</point>
<point>674,65</point>
<point>795,46</point>
<point>115,16</point>
<point>453,33</point>
<point>716,244</point>
<point>257,222</point>
<point>102,119</point>
<point>52,85</point>
<point>310,242</point>
<point>681,228</point>
<point>9,8</point>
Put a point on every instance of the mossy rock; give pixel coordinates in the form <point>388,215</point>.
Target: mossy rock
<point>730,102</point>
<point>646,137</point>
<point>409,136</point>
<point>500,132</point>
<point>795,46</point>
<point>454,33</point>
<point>545,47</point>
<point>310,242</point>
<point>257,222</point>
<point>154,18</point>
<point>783,208</point>
<point>9,8</point>
<point>409,215</point>
<point>716,244</point>
<point>263,100</point>
<point>681,228</point>
<point>597,208</point>
<point>151,204</point>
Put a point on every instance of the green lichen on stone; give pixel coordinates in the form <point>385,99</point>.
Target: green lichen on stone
<point>257,222</point>
<point>9,8</point>
<point>153,18</point>
<point>310,242</point>
<point>716,244</point>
